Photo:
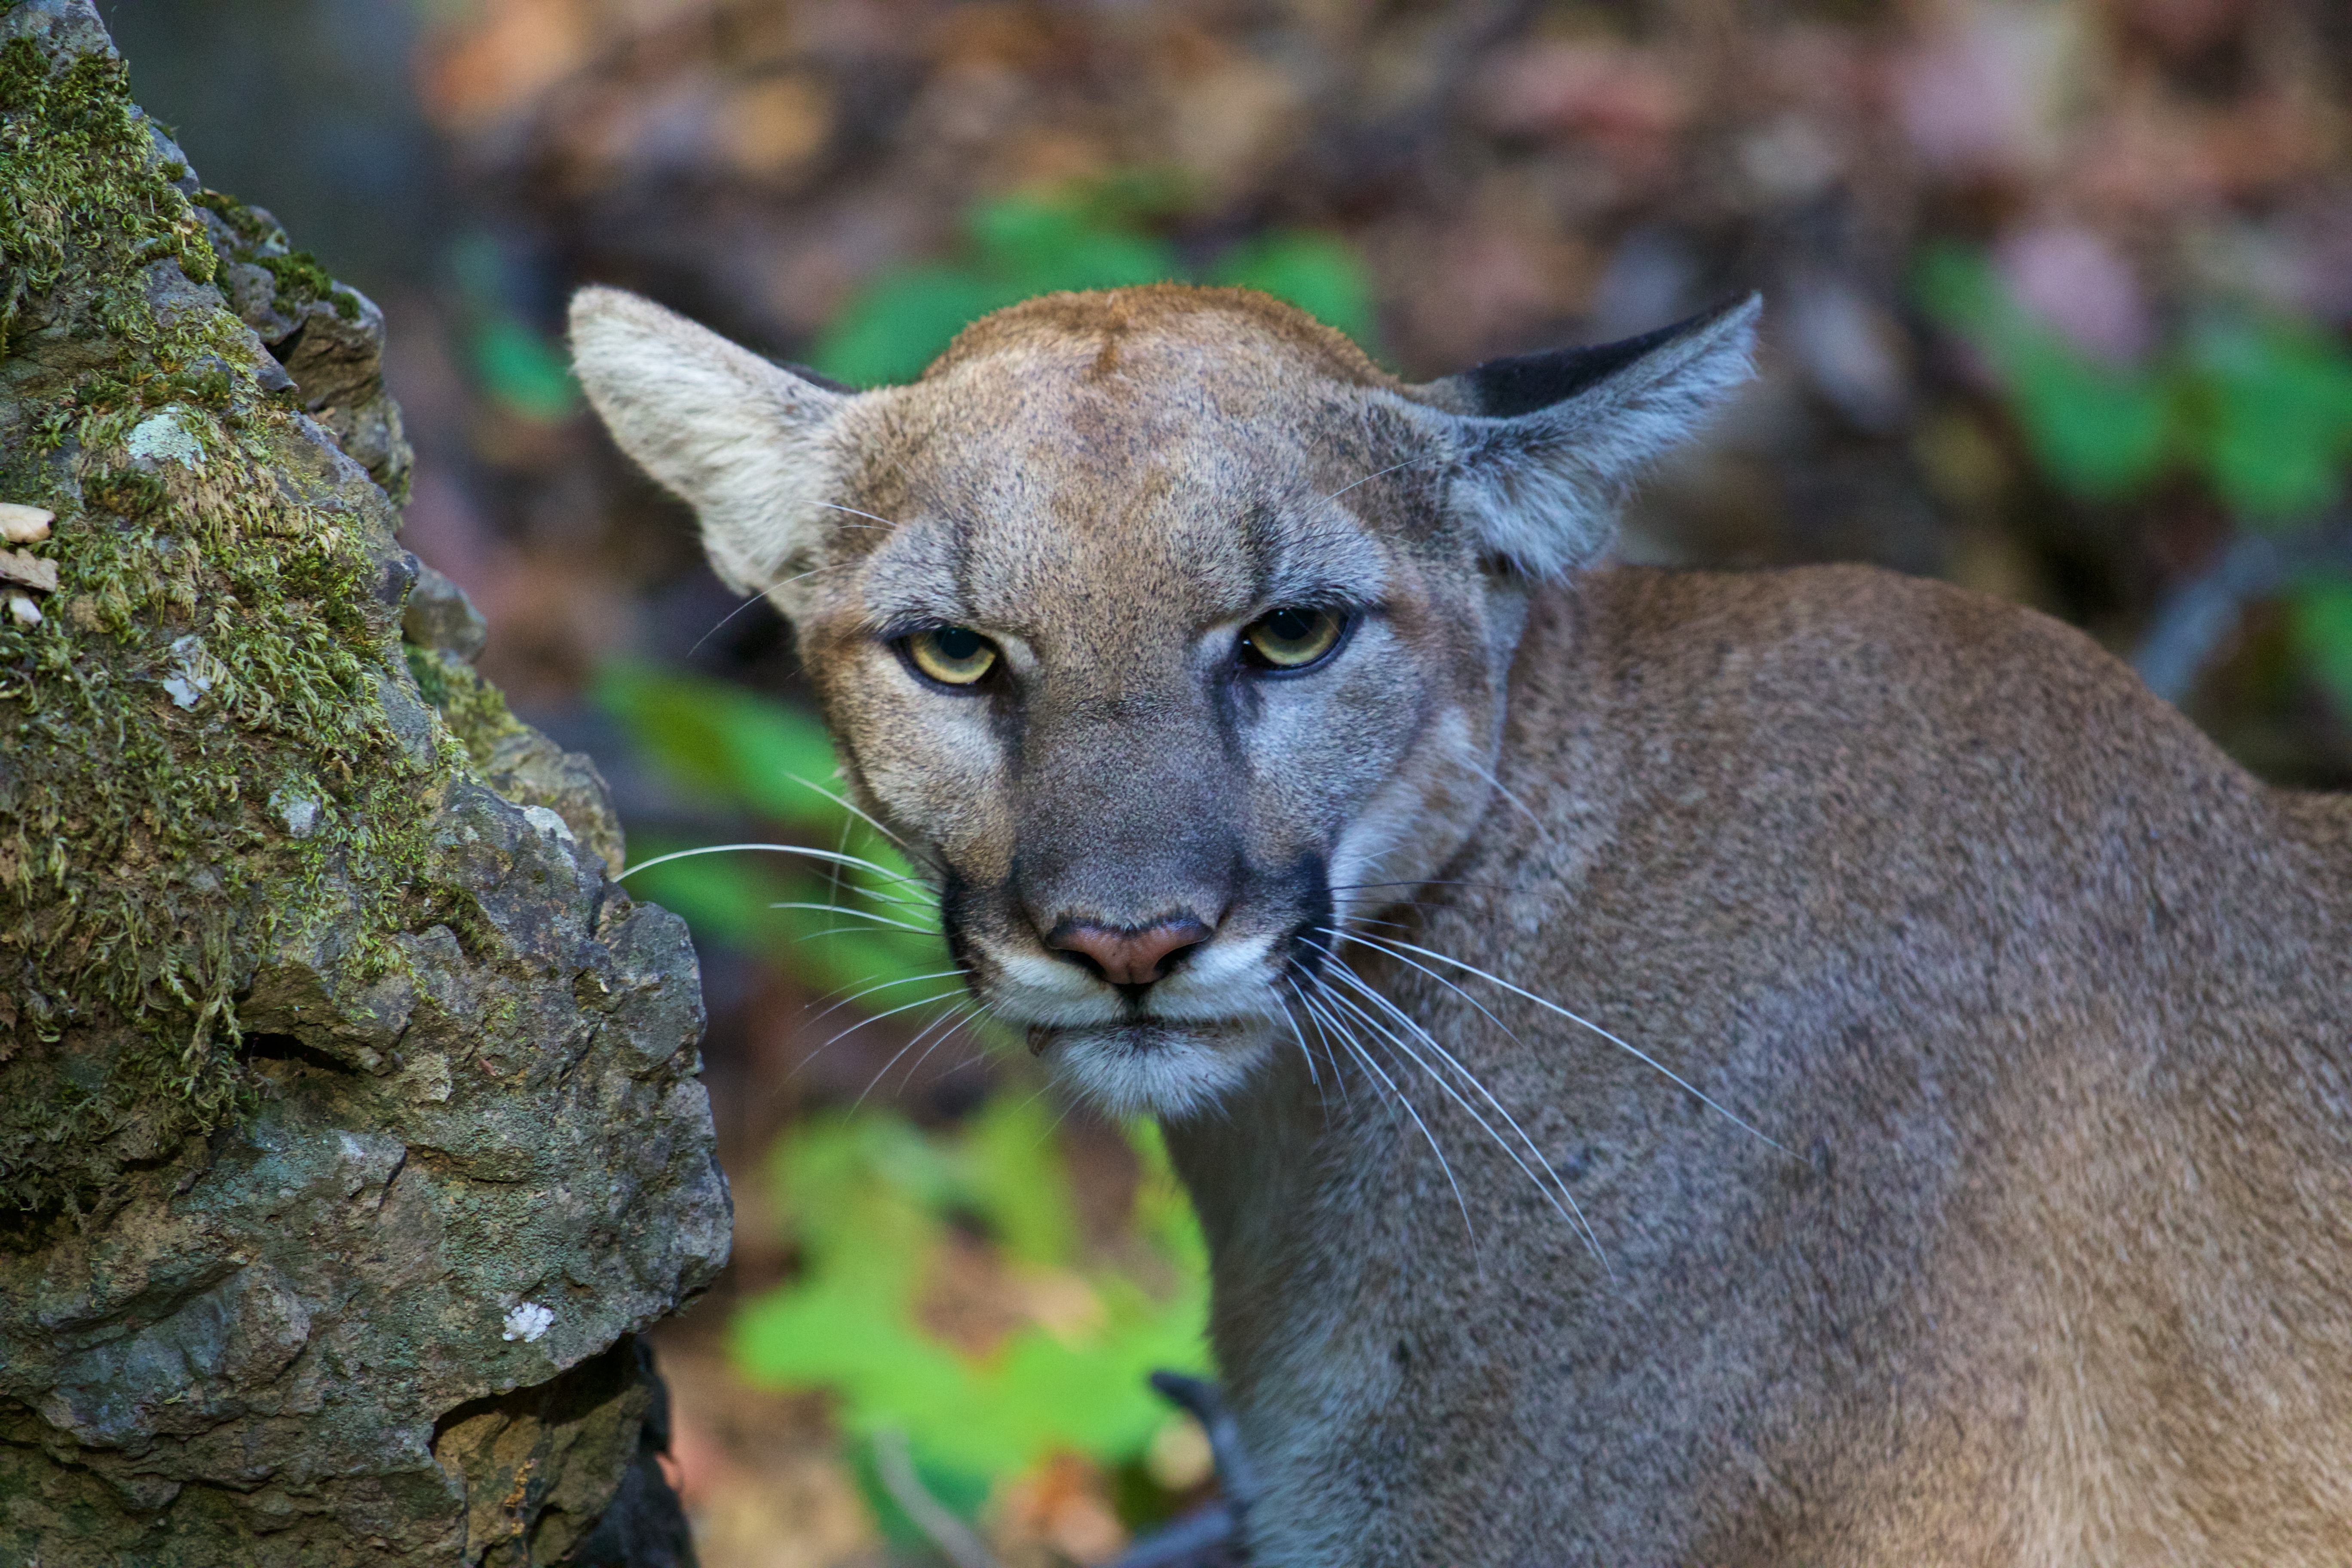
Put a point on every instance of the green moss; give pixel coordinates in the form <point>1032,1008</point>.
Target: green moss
<point>301,278</point>
<point>143,874</point>
<point>255,227</point>
<point>475,710</point>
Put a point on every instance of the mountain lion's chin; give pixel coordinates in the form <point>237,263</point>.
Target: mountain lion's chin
<point>1155,1066</point>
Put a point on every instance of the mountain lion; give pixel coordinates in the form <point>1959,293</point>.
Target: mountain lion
<point>1802,1069</point>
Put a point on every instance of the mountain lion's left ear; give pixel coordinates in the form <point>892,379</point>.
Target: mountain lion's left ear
<point>1537,452</point>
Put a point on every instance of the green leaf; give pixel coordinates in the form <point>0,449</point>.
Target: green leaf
<point>2098,430</point>
<point>1017,247</point>
<point>522,372</point>
<point>1020,1182</point>
<point>868,1198</point>
<point>2322,611</point>
<point>2099,433</point>
<point>2278,402</point>
<point>1322,275</point>
<point>1035,247</point>
<point>899,323</point>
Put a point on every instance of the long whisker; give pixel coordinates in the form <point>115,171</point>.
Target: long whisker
<point>1542,830</point>
<point>955,1017</point>
<point>760,598</point>
<point>892,1012</point>
<point>1553,1190</point>
<point>836,931</point>
<point>884,986</point>
<point>1362,1055</point>
<point>1346,1098</point>
<point>1549,1182</point>
<point>720,625</point>
<point>1634,1051</point>
<point>874,1082</point>
<point>834,855</point>
<point>1368,479</point>
<point>847,913</point>
<point>836,506</point>
<point>844,802</point>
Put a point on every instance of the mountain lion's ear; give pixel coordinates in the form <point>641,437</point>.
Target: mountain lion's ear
<point>1542,447</point>
<point>748,444</point>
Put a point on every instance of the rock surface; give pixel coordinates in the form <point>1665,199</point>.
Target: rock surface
<point>336,1181</point>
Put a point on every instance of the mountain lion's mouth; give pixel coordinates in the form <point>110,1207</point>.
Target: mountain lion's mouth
<point>1164,1067</point>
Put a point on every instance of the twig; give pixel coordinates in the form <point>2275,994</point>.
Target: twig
<point>954,1539</point>
<point>2196,617</point>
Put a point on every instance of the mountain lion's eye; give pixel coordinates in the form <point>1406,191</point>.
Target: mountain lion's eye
<point>952,656</point>
<point>1291,638</point>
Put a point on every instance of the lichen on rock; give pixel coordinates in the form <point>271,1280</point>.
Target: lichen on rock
<point>228,590</point>
<point>328,1045</point>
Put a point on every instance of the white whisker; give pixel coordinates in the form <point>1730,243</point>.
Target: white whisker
<point>836,506</point>
<point>844,802</point>
<point>884,1072</point>
<point>1542,831</point>
<point>892,1012</point>
<point>1549,1184</point>
<point>860,915</point>
<point>1346,1098</point>
<point>859,862</point>
<point>1635,1052</point>
<point>1356,1048</point>
<point>1368,479</point>
<point>884,986</point>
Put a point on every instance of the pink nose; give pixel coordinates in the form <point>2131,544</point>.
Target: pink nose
<point>1127,957</point>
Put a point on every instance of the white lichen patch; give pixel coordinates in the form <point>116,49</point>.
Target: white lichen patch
<point>526,1322</point>
<point>297,811</point>
<point>163,439</point>
<point>549,824</point>
<point>194,671</point>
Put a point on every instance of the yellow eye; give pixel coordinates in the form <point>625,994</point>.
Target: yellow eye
<point>1291,638</point>
<point>952,656</point>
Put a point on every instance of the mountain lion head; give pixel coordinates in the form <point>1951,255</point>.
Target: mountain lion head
<point>1167,631</point>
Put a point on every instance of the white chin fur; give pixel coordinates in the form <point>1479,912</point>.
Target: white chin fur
<point>1155,1068</point>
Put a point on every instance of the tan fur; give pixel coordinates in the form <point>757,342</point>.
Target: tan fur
<point>2035,1245</point>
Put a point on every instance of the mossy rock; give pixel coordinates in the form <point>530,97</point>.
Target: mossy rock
<point>351,1118</point>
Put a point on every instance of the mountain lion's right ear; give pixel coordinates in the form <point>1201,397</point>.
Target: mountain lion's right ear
<point>1537,453</point>
<point>748,445</point>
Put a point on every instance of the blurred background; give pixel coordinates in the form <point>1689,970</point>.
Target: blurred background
<point>2057,300</point>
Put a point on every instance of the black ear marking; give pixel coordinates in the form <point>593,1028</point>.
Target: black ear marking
<point>1521,384</point>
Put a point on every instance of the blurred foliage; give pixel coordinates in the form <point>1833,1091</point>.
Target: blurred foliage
<point>875,1205</point>
<point>1092,237</point>
<point>520,369</point>
<point>2259,407</point>
<point>2254,406</point>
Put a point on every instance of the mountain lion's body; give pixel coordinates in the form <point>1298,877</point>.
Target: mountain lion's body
<point>2014,1224</point>
<point>2047,1000</point>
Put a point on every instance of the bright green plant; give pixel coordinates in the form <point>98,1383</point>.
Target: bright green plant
<point>1020,246</point>
<point>872,1202</point>
<point>2257,407</point>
